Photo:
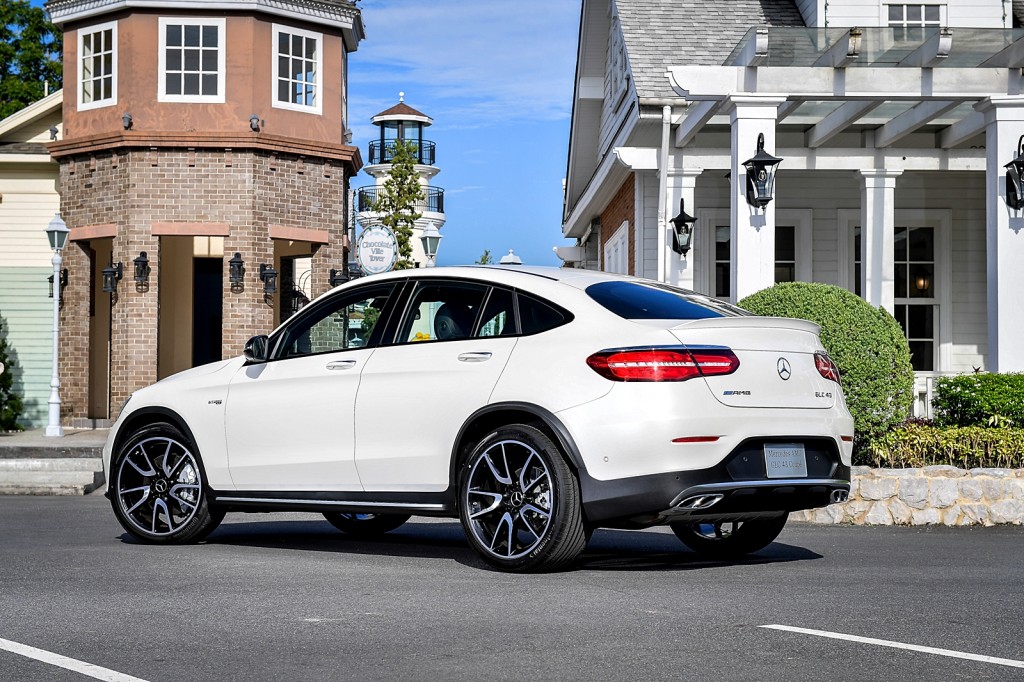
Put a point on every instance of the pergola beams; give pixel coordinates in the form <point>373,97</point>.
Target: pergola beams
<point>838,121</point>
<point>843,52</point>
<point>932,52</point>
<point>697,115</point>
<point>912,119</point>
<point>1010,57</point>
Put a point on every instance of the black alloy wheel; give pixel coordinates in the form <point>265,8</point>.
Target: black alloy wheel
<point>519,502</point>
<point>365,525</point>
<point>157,487</point>
<point>729,539</point>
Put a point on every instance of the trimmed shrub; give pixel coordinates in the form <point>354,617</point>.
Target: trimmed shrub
<point>967,447</point>
<point>10,402</point>
<point>979,400</point>
<point>867,345</point>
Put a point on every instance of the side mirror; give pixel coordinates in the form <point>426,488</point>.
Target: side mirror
<point>256,349</point>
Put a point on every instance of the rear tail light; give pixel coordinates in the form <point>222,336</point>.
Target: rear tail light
<point>826,367</point>
<point>662,364</point>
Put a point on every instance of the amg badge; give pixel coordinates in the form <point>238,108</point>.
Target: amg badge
<point>735,392</point>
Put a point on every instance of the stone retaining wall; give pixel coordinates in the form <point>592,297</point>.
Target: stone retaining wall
<point>934,495</point>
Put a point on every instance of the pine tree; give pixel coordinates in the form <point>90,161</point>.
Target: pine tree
<point>398,198</point>
<point>10,402</point>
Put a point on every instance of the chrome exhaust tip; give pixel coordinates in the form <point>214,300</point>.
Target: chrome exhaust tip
<point>840,496</point>
<point>700,502</point>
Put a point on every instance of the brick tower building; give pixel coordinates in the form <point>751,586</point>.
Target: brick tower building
<point>194,131</point>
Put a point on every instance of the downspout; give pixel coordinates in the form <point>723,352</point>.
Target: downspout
<point>666,129</point>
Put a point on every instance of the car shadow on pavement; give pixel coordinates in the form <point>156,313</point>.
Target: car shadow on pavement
<point>608,550</point>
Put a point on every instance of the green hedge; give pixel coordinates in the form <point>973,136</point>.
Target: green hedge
<point>968,447</point>
<point>866,343</point>
<point>979,400</point>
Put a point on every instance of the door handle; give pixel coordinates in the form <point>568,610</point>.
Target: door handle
<point>478,356</point>
<point>341,364</point>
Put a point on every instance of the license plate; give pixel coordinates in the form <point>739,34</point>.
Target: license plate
<point>785,460</point>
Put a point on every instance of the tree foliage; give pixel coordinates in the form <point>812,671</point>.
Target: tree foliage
<point>485,258</point>
<point>10,402</point>
<point>30,53</point>
<point>397,200</point>
<point>866,343</point>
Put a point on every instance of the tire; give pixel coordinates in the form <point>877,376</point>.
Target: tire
<point>158,489</point>
<point>365,525</point>
<point>729,539</point>
<point>519,502</point>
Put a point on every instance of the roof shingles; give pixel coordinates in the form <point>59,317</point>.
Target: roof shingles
<point>660,34</point>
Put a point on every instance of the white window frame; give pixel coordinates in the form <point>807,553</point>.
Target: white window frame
<point>883,14</point>
<point>802,220</point>
<point>708,221</point>
<point>92,30</point>
<point>616,251</point>
<point>318,85</point>
<point>161,87</point>
<point>941,219</point>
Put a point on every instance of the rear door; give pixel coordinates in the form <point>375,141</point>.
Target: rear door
<point>450,348</point>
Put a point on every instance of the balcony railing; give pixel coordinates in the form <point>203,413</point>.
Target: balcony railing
<point>385,152</point>
<point>433,200</point>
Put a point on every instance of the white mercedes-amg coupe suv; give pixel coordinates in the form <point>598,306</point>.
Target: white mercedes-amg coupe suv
<point>534,404</point>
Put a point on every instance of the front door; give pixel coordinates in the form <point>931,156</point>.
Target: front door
<point>207,309</point>
<point>290,421</point>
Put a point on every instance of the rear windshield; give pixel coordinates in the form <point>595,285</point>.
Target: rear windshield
<point>653,301</point>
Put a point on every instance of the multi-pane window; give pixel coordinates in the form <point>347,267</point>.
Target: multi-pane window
<point>297,64</point>
<point>97,61</point>
<point>785,253</point>
<point>909,21</point>
<point>914,272</point>
<point>191,60</point>
<point>723,261</point>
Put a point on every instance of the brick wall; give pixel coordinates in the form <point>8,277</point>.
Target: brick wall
<point>622,207</point>
<point>133,188</point>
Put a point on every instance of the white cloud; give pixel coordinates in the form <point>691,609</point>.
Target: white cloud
<point>472,61</point>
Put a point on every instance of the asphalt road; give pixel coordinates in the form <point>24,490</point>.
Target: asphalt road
<point>287,597</point>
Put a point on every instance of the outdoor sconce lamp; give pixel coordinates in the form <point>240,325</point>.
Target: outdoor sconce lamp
<point>63,283</point>
<point>339,277</point>
<point>254,123</point>
<point>142,270</point>
<point>126,121</point>
<point>236,273</point>
<point>682,230</point>
<point>53,133</point>
<point>268,275</point>
<point>760,175</point>
<point>1014,171</point>
<point>112,274</point>
<point>923,283</point>
<point>431,239</point>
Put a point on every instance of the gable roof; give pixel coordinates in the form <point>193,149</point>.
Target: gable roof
<point>661,34</point>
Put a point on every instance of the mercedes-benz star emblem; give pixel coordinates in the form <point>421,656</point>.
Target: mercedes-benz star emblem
<point>785,371</point>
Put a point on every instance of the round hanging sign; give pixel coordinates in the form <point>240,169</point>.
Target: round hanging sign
<point>376,250</point>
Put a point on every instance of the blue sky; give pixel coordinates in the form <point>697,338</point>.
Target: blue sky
<point>497,79</point>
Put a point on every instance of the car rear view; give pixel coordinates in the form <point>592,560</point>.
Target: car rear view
<point>735,420</point>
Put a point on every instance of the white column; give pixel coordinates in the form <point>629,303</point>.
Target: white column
<point>878,231</point>
<point>752,231</point>
<point>682,185</point>
<point>1004,230</point>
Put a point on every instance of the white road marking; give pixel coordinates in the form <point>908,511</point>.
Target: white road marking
<point>71,664</point>
<point>900,645</point>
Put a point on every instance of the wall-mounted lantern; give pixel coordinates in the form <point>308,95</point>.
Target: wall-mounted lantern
<point>268,275</point>
<point>254,123</point>
<point>236,273</point>
<point>682,230</point>
<point>112,274</point>
<point>339,277</point>
<point>760,175</point>
<point>127,121</point>
<point>63,283</point>
<point>142,271</point>
<point>1014,174</point>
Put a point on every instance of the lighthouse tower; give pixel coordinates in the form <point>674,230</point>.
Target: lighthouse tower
<point>402,122</point>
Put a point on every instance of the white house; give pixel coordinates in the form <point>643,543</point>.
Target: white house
<point>894,122</point>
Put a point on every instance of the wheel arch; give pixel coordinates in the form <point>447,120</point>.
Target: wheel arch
<point>146,416</point>
<point>493,416</point>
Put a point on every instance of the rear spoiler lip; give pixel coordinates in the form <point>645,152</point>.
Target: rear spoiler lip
<point>751,322</point>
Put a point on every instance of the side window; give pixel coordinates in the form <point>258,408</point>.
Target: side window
<point>537,316</point>
<point>97,66</point>
<point>344,322</point>
<point>499,317</point>
<point>191,60</point>
<point>442,312</point>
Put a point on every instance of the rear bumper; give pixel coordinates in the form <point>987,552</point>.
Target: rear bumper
<point>737,487</point>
